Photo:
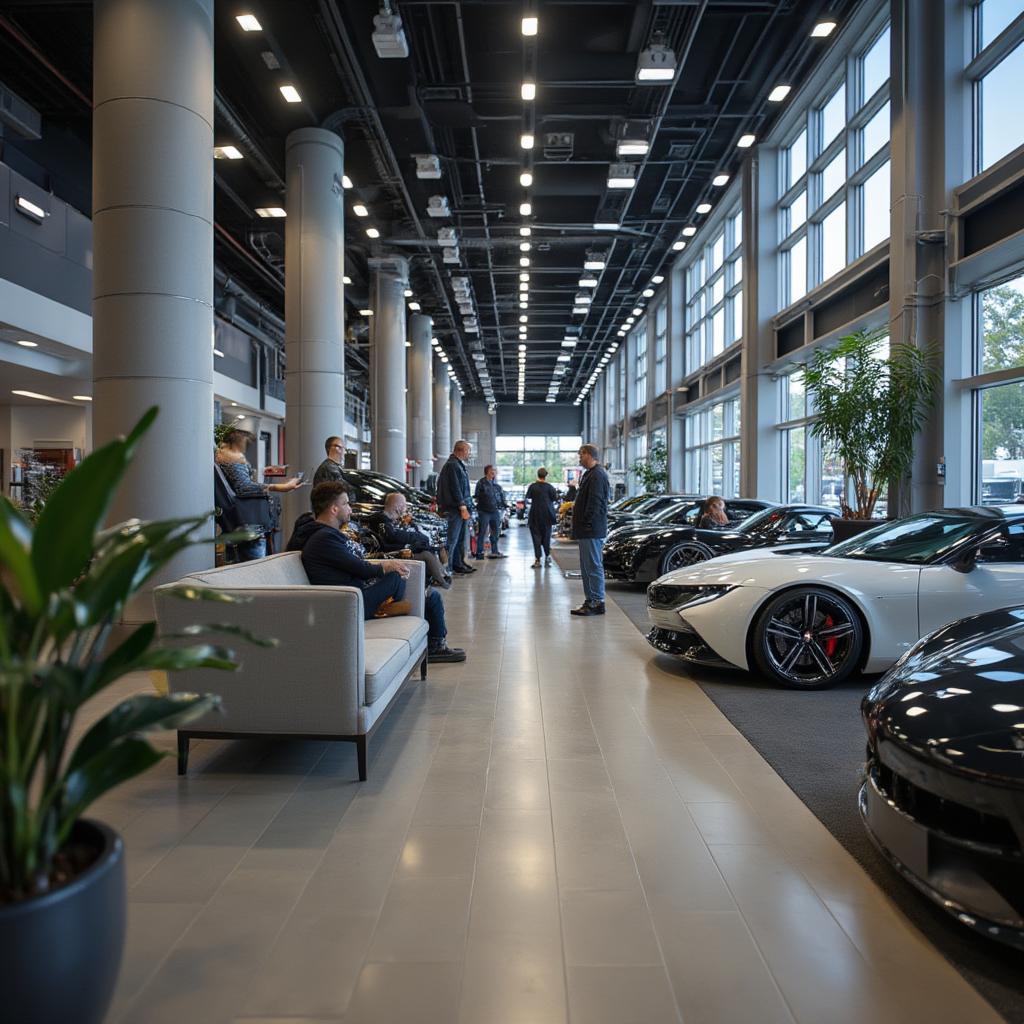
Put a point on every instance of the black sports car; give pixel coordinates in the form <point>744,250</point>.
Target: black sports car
<point>369,489</point>
<point>643,553</point>
<point>944,792</point>
<point>642,511</point>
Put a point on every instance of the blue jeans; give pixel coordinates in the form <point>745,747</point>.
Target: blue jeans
<point>592,568</point>
<point>456,539</point>
<point>248,551</point>
<point>433,612</point>
<point>492,521</point>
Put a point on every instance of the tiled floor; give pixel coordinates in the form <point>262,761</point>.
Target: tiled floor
<point>554,831</point>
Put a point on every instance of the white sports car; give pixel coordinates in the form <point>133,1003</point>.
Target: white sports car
<point>809,620</point>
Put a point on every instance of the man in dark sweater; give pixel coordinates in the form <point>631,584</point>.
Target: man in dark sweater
<point>589,528</point>
<point>455,504</point>
<point>386,526</point>
<point>332,559</point>
<point>490,507</point>
<point>331,468</point>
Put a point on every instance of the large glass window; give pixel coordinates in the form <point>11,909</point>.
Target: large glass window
<point>660,348</point>
<point>998,74</point>
<point>714,294</point>
<point>1000,346</point>
<point>834,175</point>
<point>519,457</point>
<point>712,450</point>
<point>640,363</point>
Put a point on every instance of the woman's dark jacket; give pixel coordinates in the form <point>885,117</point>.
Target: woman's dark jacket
<point>542,497</point>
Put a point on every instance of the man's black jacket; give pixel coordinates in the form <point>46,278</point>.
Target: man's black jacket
<point>453,487</point>
<point>590,510</point>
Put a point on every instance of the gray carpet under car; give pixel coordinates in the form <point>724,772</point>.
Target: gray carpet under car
<point>815,741</point>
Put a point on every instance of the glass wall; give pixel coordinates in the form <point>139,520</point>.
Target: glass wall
<point>714,294</point>
<point>834,175</point>
<point>660,348</point>
<point>712,450</point>
<point>1000,420</point>
<point>998,73</point>
<point>640,367</point>
<point>519,457</point>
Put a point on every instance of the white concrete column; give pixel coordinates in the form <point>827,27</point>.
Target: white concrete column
<point>421,396</point>
<point>153,257</point>
<point>390,278</point>
<point>442,415</point>
<point>314,318</point>
<point>455,418</point>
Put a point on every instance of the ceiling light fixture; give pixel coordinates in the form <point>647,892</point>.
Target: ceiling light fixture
<point>25,343</point>
<point>524,276</point>
<point>388,35</point>
<point>524,319</point>
<point>526,179</point>
<point>226,153</point>
<point>689,231</point>
<point>621,176</point>
<point>407,293</point>
<point>526,231</point>
<point>248,22</point>
<point>719,180</point>
<point>588,282</point>
<point>82,398</point>
<point>346,181</point>
<point>346,279</point>
<point>595,261</point>
<point>366,312</point>
<point>270,211</point>
<point>35,394</point>
<point>359,210</point>
<point>746,141</point>
<point>703,208</point>
<point>372,233</point>
<point>524,246</point>
<point>568,343</point>
<point>524,261</point>
<point>657,279</point>
<point>678,245</point>
<point>606,226</point>
<point>529,26</point>
<point>29,209</point>
<point>779,93</point>
<point>291,94</point>
<point>528,90</point>
<point>414,306</point>
<point>823,29</point>
<point>526,141</point>
<point>637,310</point>
<point>525,209</point>
<point>655,64</point>
<point>648,293</point>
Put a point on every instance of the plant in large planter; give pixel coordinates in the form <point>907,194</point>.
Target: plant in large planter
<point>652,470</point>
<point>870,406</point>
<point>65,585</point>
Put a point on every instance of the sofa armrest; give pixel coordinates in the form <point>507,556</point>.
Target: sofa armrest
<point>311,682</point>
<point>415,586</point>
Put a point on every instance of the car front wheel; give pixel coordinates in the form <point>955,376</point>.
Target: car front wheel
<point>682,555</point>
<point>808,639</point>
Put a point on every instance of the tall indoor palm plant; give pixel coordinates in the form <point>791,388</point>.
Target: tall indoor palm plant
<point>870,405</point>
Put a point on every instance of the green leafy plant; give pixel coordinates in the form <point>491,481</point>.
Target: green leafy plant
<point>870,406</point>
<point>42,488</point>
<point>652,470</point>
<point>220,431</point>
<point>65,585</point>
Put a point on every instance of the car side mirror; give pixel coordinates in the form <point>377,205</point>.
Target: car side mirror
<point>966,562</point>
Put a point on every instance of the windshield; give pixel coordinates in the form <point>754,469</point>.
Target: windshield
<point>678,512</point>
<point>916,541</point>
<point>645,505</point>
<point>1000,489</point>
<point>765,521</point>
<point>625,504</point>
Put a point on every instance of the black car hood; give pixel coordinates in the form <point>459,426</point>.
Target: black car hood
<point>957,697</point>
<point>636,531</point>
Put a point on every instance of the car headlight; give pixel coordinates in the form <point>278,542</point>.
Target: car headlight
<point>671,596</point>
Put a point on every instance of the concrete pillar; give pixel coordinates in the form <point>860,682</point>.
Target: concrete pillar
<point>390,278</point>
<point>313,306</point>
<point>442,414</point>
<point>421,396</point>
<point>455,405</point>
<point>917,271</point>
<point>153,257</point>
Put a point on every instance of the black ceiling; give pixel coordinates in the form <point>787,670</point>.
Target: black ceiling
<point>457,95</point>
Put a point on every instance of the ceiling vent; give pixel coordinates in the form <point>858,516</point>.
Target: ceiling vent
<point>558,145</point>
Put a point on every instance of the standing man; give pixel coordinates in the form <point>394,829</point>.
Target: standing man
<point>490,505</point>
<point>455,504</point>
<point>589,527</point>
<point>330,468</point>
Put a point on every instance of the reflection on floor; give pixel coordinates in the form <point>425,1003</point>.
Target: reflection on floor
<point>556,830</point>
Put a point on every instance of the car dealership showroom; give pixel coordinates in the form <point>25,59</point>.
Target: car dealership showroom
<point>511,511</point>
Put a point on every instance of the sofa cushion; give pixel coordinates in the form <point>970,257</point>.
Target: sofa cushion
<point>398,627</point>
<point>383,659</point>
<point>281,570</point>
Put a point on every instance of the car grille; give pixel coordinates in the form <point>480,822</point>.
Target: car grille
<point>938,814</point>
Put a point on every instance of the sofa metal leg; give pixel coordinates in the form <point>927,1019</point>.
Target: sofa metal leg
<point>361,757</point>
<point>182,752</point>
<point>423,667</point>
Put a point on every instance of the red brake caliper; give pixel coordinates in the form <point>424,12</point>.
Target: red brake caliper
<point>831,642</point>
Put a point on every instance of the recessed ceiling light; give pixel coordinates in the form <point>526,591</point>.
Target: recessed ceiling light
<point>823,29</point>
<point>346,279</point>
<point>414,306</point>
<point>568,343</point>
<point>647,293</point>
<point>31,210</point>
<point>580,310</point>
<point>524,276</point>
<point>689,231</point>
<point>25,343</point>
<point>35,394</point>
<point>630,320</point>
<point>523,286</point>
<point>291,94</point>
<point>528,90</point>
<point>779,93</point>
<point>632,147</point>
<point>522,348</point>
<point>525,209</point>
<point>637,310</point>
<point>746,141</point>
<point>366,312</point>
<point>372,233</point>
<point>595,261</point>
<point>523,318</point>
<point>524,261</point>
<point>563,359</point>
<point>407,293</point>
<point>270,211</point>
<point>359,210</point>
<point>526,232</point>
<point>524,302</point>
<point>621,176</point>
<point>719,180</point>
<point>526,179</point>
<point>524,246</point>
<point>605,226</point>
<point>703,208</point>
<point>621,332</point>
<point>588,282</point>
<point>656,64</point>
<point>82,398</point>
<point>526,141</point>
<point>226,153</point>
<point>346,181</point>
<point>678,245</point>
<point>657,279</point>
<point>529,26</point>
<point>249,23</point>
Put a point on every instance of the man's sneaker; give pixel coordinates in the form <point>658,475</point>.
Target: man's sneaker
<point>547,561</point>
<point>445,653</point>
<point>497,555</point>
<point>463,570</point>
<point>589,609</point>
<point>536,564</point>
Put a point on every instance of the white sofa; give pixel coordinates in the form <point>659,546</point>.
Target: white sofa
<point>332,675</point>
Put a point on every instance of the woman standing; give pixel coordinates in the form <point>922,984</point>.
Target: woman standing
<point>230,456</point>
<point>542,497</point>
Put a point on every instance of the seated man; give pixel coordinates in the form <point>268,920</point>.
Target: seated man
<point>332,559</point>
<point>387,528</point>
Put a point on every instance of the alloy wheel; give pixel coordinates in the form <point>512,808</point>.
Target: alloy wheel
<point>684,555</point>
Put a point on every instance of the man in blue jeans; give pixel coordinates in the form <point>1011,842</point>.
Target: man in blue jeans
<point>490,504</point>
<point>589,528</point>
<point>456,505</point>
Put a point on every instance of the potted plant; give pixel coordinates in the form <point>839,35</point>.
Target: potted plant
<point>65,584</point>
<point>652,470</point>
<point>870,405</point>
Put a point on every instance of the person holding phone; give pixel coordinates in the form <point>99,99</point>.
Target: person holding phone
<point>456,505</point>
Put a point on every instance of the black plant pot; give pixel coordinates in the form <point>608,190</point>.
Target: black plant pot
<point>843,529</point>
<point>60,953</point>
